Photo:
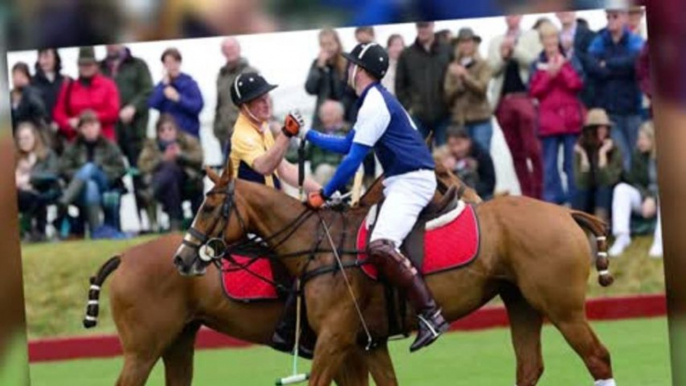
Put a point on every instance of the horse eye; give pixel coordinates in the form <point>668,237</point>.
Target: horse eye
<point>208,209</point>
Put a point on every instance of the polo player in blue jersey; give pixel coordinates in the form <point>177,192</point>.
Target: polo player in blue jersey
<point>409,184</point>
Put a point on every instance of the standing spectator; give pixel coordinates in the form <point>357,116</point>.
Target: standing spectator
<point>37,178</point>
<point>466,89</point>
<point>48,80</point>
<point>172,163</point>
<point>178,94</point>
<point>638,195</point>
<point>394,47</point>
<point>635,21</point>
<point>91,91</point>
<point>365,35</point>
<point>326,79</point>
<point>445,36</point>
<point>26,103</point>
<point>134,84</point>
<point>323,163</point>
<point>419,82</point>
<point>615,51</point>
<point>555,84</point>
<point>510,57</point>
<point>597,166</point>
<point>471,162</point>
<point>226,113</point>
<point>576,37</point>
<point>91,165</point>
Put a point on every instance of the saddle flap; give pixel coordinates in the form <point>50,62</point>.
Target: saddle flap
<point>437,208</point>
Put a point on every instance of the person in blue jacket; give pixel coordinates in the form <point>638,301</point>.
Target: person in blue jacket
<point>383,125</point>
<point>178,94</point>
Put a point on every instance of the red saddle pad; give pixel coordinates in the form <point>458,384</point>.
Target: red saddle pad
<point>242,285</point>
<point>447,247</point>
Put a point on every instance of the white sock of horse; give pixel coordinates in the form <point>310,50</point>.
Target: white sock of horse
<point>605,382</point>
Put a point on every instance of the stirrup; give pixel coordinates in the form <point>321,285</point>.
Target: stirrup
<point>430,328</point>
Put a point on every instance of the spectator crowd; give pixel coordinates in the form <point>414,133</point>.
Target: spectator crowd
<point>573,105</point>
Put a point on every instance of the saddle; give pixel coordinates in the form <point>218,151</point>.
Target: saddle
<point>413,245</point>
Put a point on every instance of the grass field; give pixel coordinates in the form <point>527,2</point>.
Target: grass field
<point>56,282</point>
<point>639,348</point>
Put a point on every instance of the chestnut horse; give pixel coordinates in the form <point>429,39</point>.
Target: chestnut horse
<point>157,313</point>
<point>534,255</point>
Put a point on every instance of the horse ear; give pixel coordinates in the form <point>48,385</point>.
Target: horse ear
<point>213,176</point>
<point>227,175</point>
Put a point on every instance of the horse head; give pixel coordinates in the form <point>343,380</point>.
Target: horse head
<point>215,224</point>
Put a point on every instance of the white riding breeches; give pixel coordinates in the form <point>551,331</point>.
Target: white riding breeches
<point>406,196</point>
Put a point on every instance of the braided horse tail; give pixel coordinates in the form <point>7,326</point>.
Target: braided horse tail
<point>96,282</point>
<point>599,229</point>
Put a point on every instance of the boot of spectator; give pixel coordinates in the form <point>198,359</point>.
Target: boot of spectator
<point>72,192</point>
<point>93,216</point>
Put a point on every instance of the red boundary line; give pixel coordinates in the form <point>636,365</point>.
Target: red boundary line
<point>104,346</point>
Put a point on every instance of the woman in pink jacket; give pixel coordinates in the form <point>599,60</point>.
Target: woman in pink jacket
<point>556,83</point>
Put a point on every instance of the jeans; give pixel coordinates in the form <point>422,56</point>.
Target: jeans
<point>167,184</point>
<point>96,184</point>
<point>552,182</point>
<point>481,132</point>
<point>625,135</point>
<point>439,130</point>
<point>587,200</point>
<point>517,118</point>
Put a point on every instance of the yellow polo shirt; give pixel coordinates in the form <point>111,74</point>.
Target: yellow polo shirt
<point>248,142</point>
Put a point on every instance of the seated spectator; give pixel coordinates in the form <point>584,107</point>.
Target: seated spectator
<point>37,178</point>
<point>466,89</point>
<point>172,165</point>
<point>91,91</point>
<point>597,166</point>
<point>91,165</point>
<point>178,94</point>
<point>26,103</point>
<point>324,163</point>
<point>556,83</point>
<point>638,195</point>
<point>470,162</point>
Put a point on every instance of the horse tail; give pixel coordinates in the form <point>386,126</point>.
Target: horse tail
<point>599,229</point>
<point>93,306</point>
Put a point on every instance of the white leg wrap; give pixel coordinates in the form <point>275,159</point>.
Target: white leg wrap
<point>605,382</point>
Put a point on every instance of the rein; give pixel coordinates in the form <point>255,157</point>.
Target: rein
<point>265,248</point>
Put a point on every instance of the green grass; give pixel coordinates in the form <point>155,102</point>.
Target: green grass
<point>639,350</point>
<point>56,282</point>
<point>56,285</point>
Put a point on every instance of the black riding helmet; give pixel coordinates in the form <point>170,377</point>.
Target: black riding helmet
<point>249,86</point>
<point>372,57</point>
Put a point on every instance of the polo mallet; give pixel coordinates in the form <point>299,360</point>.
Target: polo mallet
<point>301,169</point>
<point>295,377</point>
<point>357,187</point>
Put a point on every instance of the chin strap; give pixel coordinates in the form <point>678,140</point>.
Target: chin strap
<point>351,81</point>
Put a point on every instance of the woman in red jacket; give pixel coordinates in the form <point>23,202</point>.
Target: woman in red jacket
<point>91,91</point>
<point>556,84</point>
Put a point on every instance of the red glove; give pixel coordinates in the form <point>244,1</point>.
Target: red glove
<point>316,200</point>
<point>294,121</point>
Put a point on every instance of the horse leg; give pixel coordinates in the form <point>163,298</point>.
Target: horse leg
<point>354,370</point>
<point>583,340</point>
<point>381,366</point>
<point>178,358</point>
<point>334,344</point>
<point>136,369</point>
<point>525,324</point>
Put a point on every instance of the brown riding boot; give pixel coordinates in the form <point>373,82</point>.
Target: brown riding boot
<point>399,271</point>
